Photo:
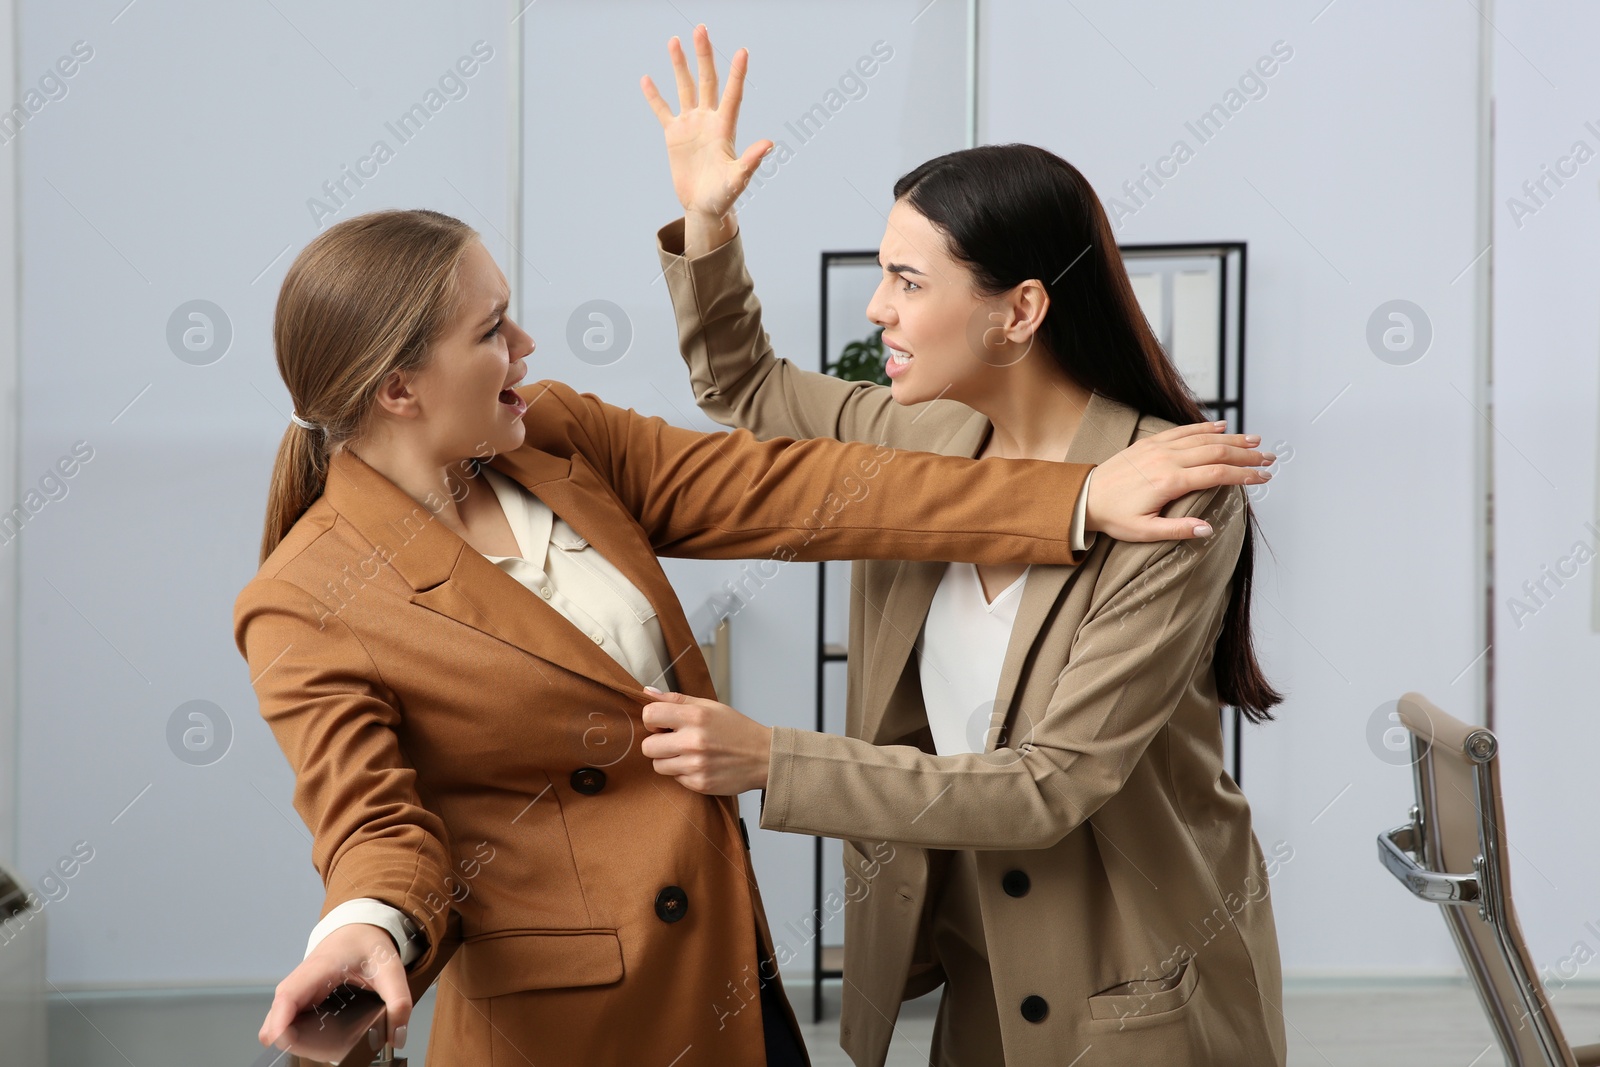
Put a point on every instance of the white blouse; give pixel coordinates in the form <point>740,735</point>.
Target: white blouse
<point>963,648</point>
<point>963,645</point>
<point>557,564</point>
<point>581,584</point>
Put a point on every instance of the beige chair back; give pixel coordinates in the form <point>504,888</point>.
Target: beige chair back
<point>1454,853</point>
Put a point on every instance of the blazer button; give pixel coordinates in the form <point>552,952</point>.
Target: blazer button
<point>1016,883</point>
<point>588,780</point>
<point>672,904</point>
<point>1034,1009</point>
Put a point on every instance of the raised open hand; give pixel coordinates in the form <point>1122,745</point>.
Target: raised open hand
<point>706,175</point>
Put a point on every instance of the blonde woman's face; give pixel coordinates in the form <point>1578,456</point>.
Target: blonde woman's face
<point>465,390</point>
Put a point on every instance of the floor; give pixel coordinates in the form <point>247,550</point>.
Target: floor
<point>1330,1025</point>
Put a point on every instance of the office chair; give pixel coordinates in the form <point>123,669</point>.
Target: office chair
<point>1457,826</point>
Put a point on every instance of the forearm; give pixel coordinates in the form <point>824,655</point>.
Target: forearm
<point>1133,663</point>
<point>737,377</point>
<point>821,499</point>
<point>844,787</point>
<point>704,233</point>
<point>731,496</point>
<point>335,721</point>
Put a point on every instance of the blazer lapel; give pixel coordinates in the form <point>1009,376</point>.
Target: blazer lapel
<point>1107,427</point>
<point>587,503</point>
<point>900,628</point>
<point>450,577</point>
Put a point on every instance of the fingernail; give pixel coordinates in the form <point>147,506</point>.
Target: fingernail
<point>400,1037</point>
<point>1252,439</point>
<point>653,689</point>
<point>1264,474</point>
<point>1202,530</point>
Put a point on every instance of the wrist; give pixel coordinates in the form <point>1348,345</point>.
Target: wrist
<point>758,776</point>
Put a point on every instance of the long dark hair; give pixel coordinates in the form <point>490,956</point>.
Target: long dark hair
<point>1014,212</point>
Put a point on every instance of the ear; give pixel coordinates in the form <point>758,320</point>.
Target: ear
<point>1028,306</point>
<point>396,396</point>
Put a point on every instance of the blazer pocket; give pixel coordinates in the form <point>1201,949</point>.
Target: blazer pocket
<point>509,961</point>
<point>1142,999</point>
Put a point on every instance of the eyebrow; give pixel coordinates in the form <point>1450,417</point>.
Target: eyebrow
<point>899,268</point>
<point>494,313</point>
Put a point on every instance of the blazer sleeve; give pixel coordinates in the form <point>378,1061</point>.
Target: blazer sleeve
<point>1145,645</point>
<point>336,720</point>
<point>739,380</point>
<point>731,496</point>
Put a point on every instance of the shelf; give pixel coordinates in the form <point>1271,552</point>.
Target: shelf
<point>834,653</point>
<point>833,961</point>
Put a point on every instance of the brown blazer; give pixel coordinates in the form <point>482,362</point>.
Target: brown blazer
<point>1140,922</point>
<point>459,745</point>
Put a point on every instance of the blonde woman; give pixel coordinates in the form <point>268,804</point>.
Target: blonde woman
<point>458,611</point>
<point>1038,748</point>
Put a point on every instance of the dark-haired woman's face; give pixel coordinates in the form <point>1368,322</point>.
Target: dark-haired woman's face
<point>466,383</point>
<point>933,317</point>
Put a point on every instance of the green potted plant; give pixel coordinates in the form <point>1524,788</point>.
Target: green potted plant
<point>862,361</point>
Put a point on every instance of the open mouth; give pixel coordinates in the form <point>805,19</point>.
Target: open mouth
<point>510,399</point>
<point>897,362</point>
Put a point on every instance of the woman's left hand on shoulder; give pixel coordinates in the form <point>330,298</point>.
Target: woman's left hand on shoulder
<point>708,747</point>
<point>1129,491</point>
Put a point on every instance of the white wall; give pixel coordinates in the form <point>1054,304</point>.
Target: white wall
<point>9,371</point>
<point>1353,180</point>
<point>1547,340</point>
<point>177,167</point>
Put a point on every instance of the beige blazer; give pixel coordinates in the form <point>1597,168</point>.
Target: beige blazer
<point>1123,896</point>
<point>462,751</point>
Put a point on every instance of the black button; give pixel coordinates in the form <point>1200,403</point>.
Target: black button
<point>1016,883</point>
<point>588,780</point>
<point>1034,1009</point>
<point>672,904</point>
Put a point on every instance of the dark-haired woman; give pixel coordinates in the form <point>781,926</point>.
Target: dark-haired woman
<point>1032,792</point>
<point>458,609</point>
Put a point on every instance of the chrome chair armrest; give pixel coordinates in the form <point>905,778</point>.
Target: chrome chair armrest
<point>1394,851</point>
